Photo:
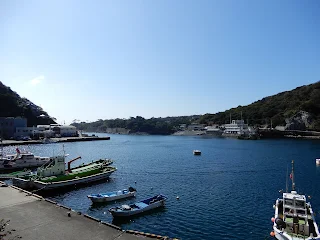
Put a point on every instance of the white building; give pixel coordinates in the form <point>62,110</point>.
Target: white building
<point>236,127</point>
<point>43,127</point>
<point>65,131</point>
<point>53,130</point>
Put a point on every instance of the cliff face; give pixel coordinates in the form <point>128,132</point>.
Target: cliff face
<point>12,105</point>
<point>300,121</point>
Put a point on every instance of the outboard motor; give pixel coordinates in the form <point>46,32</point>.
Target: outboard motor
<point>280,223</point>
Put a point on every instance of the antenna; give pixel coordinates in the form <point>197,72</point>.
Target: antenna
<point>292,176</point>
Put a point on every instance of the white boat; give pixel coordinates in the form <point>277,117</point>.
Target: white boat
<point>21,160</point>
<point>318,161</point>
<point>112,196</point>
<point>196,152</point>
<point>139,207</point>
<point>294,218</point>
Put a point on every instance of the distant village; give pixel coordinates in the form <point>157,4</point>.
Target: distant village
<point>16,129</point>
<point>234,129</point>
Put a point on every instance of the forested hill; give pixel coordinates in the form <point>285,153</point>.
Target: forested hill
<point>276,108</point>
<point>139,124</point>
<point>12,105</point>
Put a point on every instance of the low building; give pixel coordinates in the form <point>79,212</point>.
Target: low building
<point>196,127</point>
<point>43,127</point>
<point>25,132</point>
<point>182,127</point>
<point>65,131</point>
<point>213,130</point>
<point>8,126</point>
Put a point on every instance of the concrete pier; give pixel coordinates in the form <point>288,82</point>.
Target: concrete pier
<point>35,218</point>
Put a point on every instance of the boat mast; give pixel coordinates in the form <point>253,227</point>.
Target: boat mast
<point>1,152</point>
<point>287,180</point>
<point>292,176</point>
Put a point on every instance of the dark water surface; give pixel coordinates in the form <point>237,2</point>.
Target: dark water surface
<point>226,193</point>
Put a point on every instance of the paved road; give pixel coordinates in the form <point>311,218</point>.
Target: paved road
<point>34,218</point>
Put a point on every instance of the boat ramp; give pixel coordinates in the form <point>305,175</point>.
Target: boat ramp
<point>32,217</point>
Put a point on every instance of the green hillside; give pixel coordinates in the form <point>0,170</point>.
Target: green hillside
<point>138,124</point>
<point>276,108</point>
<point>12,105</point>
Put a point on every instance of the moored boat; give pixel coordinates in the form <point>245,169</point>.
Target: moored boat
<point>318,161</point>
<point>54,175</point>
<point>112,196</point>
<point>196,152</point>
<point>21,160</point>
<point>294,218</point>
<point>16,174</point>
<point>138,207</point>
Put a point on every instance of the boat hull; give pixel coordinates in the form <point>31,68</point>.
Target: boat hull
<point>21,166</point>
<point>138,211</point>
<point>111,198</point>
<point>30,184</point>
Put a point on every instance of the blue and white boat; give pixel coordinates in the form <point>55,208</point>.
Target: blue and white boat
<point>112,196</point>
<point>139,207</point>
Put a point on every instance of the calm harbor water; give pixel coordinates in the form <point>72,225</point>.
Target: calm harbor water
<point>226,193</point>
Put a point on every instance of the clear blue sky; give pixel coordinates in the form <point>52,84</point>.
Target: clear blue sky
<point>115,59</point>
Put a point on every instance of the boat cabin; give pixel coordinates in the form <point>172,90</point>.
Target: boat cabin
<point>295,213</point>
<point>56,166</point>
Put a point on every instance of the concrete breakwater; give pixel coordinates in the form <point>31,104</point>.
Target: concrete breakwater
<point>32,217</point>
<point>53,140</point>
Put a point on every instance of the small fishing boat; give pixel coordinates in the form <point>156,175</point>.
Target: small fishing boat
<point>139,207</point>
<point>196,152</point>
<point>318,161</point>
<point>294,218</point>
<point>112,196</point>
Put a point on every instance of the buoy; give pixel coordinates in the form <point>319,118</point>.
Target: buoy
<point>135,182</point>
<point>272,234</point>
<point>272,219</point>
<point>178,197</point>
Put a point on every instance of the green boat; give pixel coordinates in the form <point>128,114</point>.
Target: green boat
<point>53,175</point>
<point>16,174</point>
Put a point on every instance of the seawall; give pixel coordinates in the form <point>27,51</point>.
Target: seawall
<point>32,217</point>
<point>53,140</point>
